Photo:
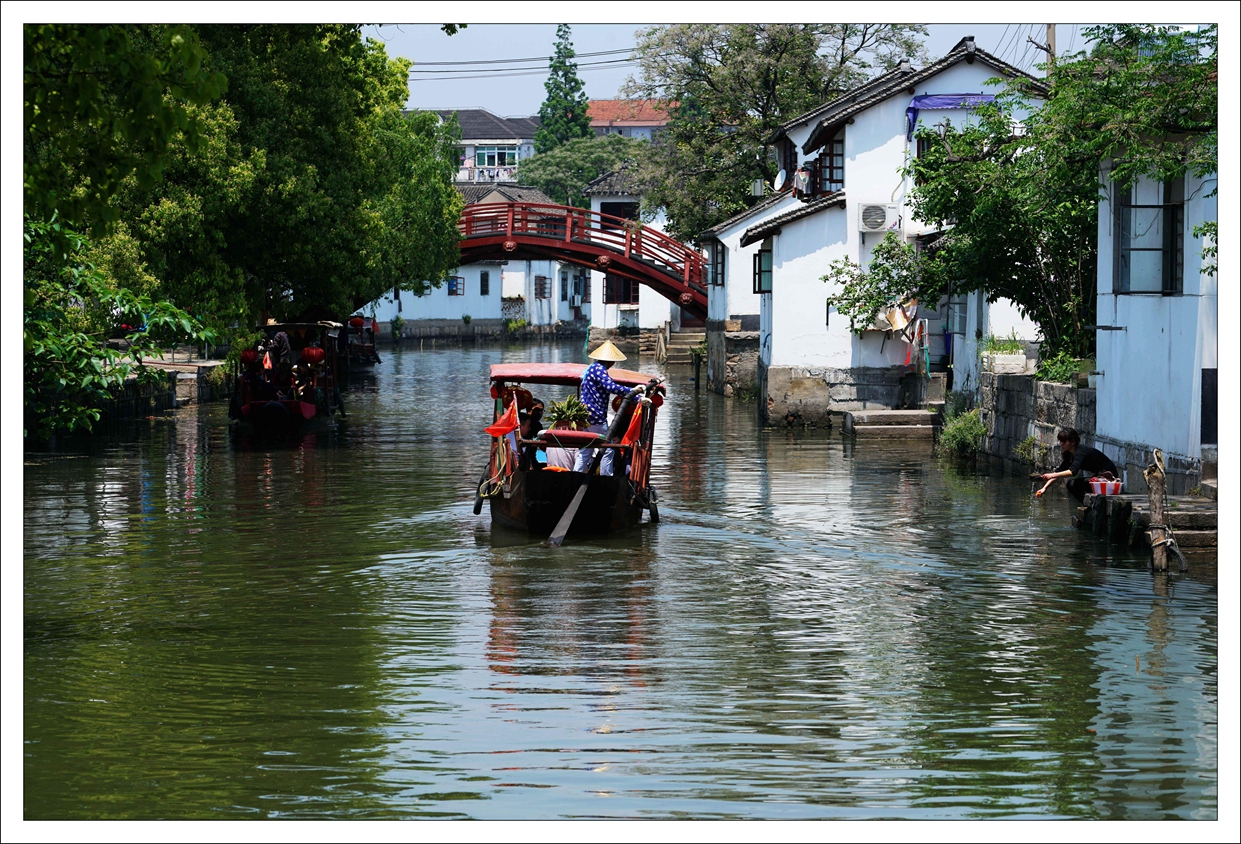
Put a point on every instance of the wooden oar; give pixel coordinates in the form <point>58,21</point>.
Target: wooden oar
<point>562,526</point>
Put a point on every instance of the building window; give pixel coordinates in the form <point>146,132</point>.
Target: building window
<point>788,159</point>
<point>564,285</point>
<point>495,156</point>
<point>456,285</point>
<point>484,283</point>
<point>718,251</point>
<point>542,287</point>
<point>620,291</point>
<point>831,167</point>
<point>582,288</point>
<point>762,268</point>
<point>1149,238</point>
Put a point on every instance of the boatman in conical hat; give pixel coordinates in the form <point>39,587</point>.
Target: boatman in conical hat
<point>597,385</point>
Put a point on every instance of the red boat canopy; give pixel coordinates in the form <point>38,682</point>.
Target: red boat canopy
<point>564,374</point>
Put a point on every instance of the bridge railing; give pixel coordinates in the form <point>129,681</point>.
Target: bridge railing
<point>567,224</point>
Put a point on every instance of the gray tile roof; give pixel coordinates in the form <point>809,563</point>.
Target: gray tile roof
<point>613,182</point>
<point>832,114</point>
<point>473,192</point>
<point>772,226</point>
<point>480,124</point>
<point>758,207</point>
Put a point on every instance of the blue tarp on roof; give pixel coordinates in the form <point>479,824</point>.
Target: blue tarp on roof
<point>940,101</point>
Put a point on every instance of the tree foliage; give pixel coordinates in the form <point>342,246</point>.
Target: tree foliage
<point>563,115</point>
<point>1017,187</point>
<point>304,188</point>
<point>70,310</point>
<point>103,103</point>
<point>564,172</point>
<point>896,274</point>
<point>729,87</point>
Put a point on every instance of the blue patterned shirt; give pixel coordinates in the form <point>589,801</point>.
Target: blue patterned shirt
<point>596,387</point>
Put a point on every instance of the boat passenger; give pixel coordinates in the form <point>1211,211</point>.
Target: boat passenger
<point>1078,458</point>
<point>283,381</point>
<point>596,386</point>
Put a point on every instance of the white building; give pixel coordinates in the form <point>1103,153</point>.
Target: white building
<point>541,292</point>
<point>1157,341</point>
<point>853,148</point>
<point>640,119</point>
<point>492,147</point>
<point>618,302</point>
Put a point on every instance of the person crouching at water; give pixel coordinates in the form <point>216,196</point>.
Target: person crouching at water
<point>1078,458</point>
<point>597,385</point>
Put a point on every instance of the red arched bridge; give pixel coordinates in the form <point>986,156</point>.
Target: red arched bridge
<point>504,230</point>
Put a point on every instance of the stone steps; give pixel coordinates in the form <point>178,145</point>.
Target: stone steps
<point>1125,519</point>
<point>681,344</point>
<point>895,424</point>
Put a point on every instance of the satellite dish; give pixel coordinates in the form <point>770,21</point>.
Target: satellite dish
<point>781,178</point>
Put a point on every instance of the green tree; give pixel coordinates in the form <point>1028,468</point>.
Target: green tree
<point>322,226</point>
<point>729,87</point>
<point>563,115</point>
<point>102,103</point>
<point>69,311</point>
<point>564,172</point>
<point>1142,97</point>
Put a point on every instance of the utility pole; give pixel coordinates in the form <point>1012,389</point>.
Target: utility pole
<point>1050,47</point>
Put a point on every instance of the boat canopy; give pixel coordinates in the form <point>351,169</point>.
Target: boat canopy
<point>564,374</point>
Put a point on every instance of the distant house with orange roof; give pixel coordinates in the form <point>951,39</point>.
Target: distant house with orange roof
<point>629,118</point>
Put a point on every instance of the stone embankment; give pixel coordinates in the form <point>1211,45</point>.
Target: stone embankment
<point>1125,520</point>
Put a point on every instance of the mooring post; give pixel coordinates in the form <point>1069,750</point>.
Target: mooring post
<point>1158,531</point>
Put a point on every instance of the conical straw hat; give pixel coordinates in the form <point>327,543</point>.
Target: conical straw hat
<point>607,351</point>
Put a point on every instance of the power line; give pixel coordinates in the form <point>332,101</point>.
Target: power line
<point>538,72</point>
<point>502,70</point>
<point>518,61</point>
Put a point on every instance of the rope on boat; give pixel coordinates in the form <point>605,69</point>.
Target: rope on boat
<point>491,487</point>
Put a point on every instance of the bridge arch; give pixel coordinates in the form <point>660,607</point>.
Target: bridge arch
<point>507,230</point>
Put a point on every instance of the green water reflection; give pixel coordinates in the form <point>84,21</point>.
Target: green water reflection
<point>217,628</point>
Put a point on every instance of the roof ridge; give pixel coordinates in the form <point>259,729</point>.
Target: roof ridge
<point>762,205</point>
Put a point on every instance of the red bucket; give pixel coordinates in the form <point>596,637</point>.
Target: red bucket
<point>1104,487</point>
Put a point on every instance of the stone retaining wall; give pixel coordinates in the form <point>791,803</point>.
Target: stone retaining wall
<point>811,396</point>
<point>1015,407</point>
<point>732,359</point>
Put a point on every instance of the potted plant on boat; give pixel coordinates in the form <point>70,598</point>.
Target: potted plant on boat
<point>569,414</point>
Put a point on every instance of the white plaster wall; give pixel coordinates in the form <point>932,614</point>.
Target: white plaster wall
<point>1000,318</point>
<point>737,296</point>
<point>542,311</point>
<point>652,311</point>
<point>803,335</point>
<point>437,304</point>
<point>1150,392</point>
<point>875,151</point>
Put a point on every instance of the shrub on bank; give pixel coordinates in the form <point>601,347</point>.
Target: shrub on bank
<point>963,434</point>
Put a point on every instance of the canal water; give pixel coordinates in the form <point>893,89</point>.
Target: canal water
<point>217,628</point>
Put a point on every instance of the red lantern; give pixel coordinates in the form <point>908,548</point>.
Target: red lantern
<point>249,356</point>
<point>312,354</point>
<point>357,322</point>
<point>495,391</point>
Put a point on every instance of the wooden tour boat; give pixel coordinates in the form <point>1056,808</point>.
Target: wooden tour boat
<point>527,495</point>
<point>270,399</point>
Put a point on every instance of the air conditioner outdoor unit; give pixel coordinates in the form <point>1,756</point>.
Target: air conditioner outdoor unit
<point>575,301</point>
<point>879,218</point>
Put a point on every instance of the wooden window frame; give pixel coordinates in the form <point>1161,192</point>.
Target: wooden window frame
<point>618,290</point>
<point>484,283</point>
<point>762,275</point>
<point>718,263</point>
<point>1171,248</point>
<point>542,287</point>
<point>456,285</point>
